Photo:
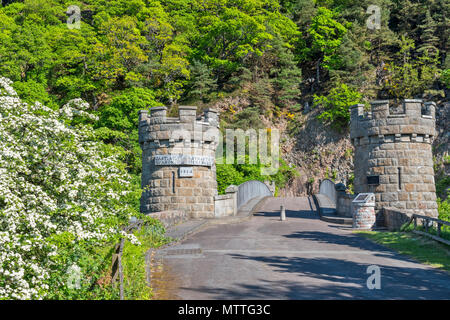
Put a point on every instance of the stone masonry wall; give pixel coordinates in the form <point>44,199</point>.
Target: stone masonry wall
<point>344,205</point>
<point>226,205</point>
<point>395,218</point>
<point>170,218</point>
<point>394,143</point>
<point>170,145</point>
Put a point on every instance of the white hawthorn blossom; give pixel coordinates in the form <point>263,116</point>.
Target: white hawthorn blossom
<point>54,180</point>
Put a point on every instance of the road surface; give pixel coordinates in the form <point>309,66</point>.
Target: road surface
<point>300,258</point>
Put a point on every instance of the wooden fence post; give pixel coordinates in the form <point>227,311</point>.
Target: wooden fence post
<point>122,242</point>
<point>115,264</point>
<point>117,268</point>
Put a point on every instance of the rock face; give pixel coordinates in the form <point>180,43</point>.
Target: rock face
<point>319,152</point>
<point>393,155</point>
<point>178,161</point>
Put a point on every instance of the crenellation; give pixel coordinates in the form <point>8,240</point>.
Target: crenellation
<point>393,142</point>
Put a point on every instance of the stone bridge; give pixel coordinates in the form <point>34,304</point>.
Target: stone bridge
<point>234,246</point>
<point>300,258</point>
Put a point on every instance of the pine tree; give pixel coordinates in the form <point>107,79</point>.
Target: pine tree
<point>430,42</point>
<point>287,76</point>
<point>202,83</point>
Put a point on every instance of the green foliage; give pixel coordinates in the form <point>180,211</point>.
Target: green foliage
<point>286,75</point>
<point>326,33</point>
<point>150,236</point>
<point>336,105</point>
<point>444,209</point>
<point>231,33</point>
<point>350,184</point>
<point>132,55</point>
<point>121,113</point>
<point>442,184</point>
<point>445,78</point>
<point>201,84</point>
<point>246,119</point>
<point>409,77</point>
<point>228,174</point>
<point>95,264</point>
<point>424,250</point>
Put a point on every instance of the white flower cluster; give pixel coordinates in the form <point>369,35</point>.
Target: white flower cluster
<point>54,181</point>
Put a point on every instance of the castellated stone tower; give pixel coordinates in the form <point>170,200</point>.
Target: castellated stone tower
<point>178,161</point>
<point>393,156</point>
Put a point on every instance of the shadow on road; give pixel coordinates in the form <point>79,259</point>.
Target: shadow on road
<point>303,214</point>
<point>348,240</point>
<point>333,279</point>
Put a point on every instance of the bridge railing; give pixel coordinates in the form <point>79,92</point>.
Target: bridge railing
<point>250,190</point>
<point>428,223</point>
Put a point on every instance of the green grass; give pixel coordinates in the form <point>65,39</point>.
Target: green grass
<point>445,230</point>
<point>417,247</point>
<point>133,259</point>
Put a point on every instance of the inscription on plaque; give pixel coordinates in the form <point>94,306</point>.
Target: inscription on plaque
<point>186,172</point>
<point>183,159</point>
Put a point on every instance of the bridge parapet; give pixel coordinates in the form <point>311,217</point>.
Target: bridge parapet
<point>251,189</point>
<point>242,199</point>
<point>332,201</point>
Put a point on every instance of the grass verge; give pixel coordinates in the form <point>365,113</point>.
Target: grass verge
<point>134,265</point>
<point>417,247</point>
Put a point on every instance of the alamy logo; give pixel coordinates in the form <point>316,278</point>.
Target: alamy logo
<point>235,145</point>
<point>374,280</point>
<point>374,20</point>
<point>73,21</point>
<point>74,277</point>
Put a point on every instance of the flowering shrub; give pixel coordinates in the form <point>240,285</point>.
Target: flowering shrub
<point>62,195</point>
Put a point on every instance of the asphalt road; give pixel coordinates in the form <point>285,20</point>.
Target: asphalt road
<point>300,258</point>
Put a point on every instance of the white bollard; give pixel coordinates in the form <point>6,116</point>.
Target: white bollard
<point>282,213</point>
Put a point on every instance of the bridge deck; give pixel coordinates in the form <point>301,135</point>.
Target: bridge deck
<point>301,258</point>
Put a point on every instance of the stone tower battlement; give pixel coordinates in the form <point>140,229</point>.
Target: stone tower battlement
<point>393,156</point>
<point>178,160</point>
<point>412,120</point>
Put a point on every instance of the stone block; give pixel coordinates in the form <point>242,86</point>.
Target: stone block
<point>389,196</point>
<point>403,196</point>
<point>411,205</point>
<point>378,170</point>
<point>392,187</point>
<point>398,204</point>
<point>384,162</point>
<point>387,146</point>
